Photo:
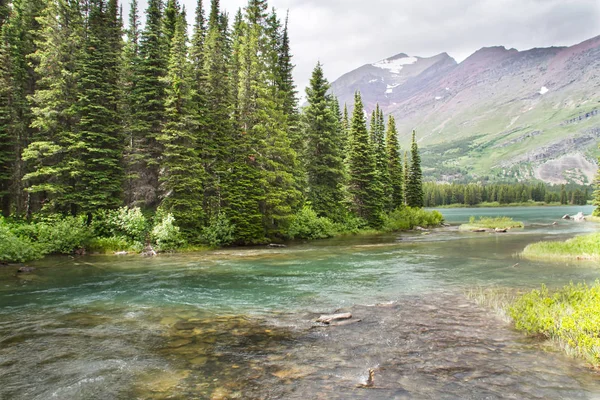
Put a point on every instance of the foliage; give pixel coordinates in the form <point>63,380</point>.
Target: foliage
<point>324,144</point>
<point>166,234</point>
<point>406,218</point>
<point>61,236</point>
<point>111,244</point>
<point>414,182</point>
<point>306,224</point>
<point>585,247</point>
<point>364,187</point>
<point>570,315</point>
<point>491,223</point>
<point>394,192</point>
<point>219,232</point>
<point>14,249</point>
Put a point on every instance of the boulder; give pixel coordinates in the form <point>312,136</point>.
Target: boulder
<point>566,217</point>
<point>148,251</point>
<point>579,217</point>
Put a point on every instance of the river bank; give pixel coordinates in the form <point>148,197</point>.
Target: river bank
<point>238,323</point>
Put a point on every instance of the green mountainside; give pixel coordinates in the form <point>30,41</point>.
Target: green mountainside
<point>500,115</point>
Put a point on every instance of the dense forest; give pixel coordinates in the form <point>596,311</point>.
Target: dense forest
<point>440,194</point>
<point>198,133</point>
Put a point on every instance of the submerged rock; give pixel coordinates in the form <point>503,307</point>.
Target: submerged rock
<point>25,270</point>
<point>579,217</point>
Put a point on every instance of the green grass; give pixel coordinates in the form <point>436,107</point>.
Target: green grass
<point>585,247</point>
<point>491,223</point>
<point>569,316</point>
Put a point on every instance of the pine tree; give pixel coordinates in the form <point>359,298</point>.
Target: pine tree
<point>171,18</point>
<point>181,180</point>
<point>414,185</point>
<point>148,113</point>
<point>99,141</point>
<point>324,162</point>
<point>19,35</point>
<point>379,147</point>
<point>52,156</point>
<point>364,189</point>
<point>395,190</point>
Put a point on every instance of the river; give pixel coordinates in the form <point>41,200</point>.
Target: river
<point>238,323</point>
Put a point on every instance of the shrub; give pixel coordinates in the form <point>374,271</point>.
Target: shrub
<point>352,224</point>
<point>63,236</point>
<point>16,249</point>
<point>220,232</point>
<point>166,234</point>
<point>306,224</point>
<point>405,218</point>
<point>570,315</point>
<point>129,222</point>
<point>110,244</point>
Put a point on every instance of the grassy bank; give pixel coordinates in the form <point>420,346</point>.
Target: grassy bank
<point>496,204</point>
<point>129,230</point>
<point>585,247</point>
<point>569,317</point>
<point>491,223</point>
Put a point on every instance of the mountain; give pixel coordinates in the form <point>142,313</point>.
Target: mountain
<point>500,115</point>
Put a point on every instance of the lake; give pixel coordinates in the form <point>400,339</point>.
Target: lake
<point>239,323</point>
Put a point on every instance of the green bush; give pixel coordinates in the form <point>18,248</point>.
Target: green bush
<point>307,225</point>
<point>352,224</point>
<point>111,244</point>
<point>405,218</point>
<point>570,315</point>
<point>16,249</point>
<point>54,234</point>
<point>220,232</point>
<point>128,222</point>
<point>166,234</point>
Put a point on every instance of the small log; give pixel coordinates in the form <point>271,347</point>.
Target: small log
<point>327,319</point>
<point>500,230</point>
<point>345,322</point>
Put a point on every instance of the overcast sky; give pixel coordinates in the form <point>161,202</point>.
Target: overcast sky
<point>346,34</point>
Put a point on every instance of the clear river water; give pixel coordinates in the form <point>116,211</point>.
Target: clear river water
<point>239,323</point>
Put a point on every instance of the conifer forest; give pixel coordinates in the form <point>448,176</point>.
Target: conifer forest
<point>201,128</point>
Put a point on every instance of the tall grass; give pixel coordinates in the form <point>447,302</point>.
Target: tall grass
<point>491,223</point>
<point>569,316</point>
<point>585,247</point>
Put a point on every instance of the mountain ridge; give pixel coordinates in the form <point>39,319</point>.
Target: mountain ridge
<point>496,95</point>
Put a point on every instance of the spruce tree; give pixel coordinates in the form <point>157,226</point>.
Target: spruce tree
<point>323,161</point>
<point>394,192</point>
<point>414,185</point>
<point>182,176</point>
<point>148,110</point>
<point>19,35</point>
<point>363,187</point>
<point>52,157</point>
<point>379,147</point>
<point>99,141</point>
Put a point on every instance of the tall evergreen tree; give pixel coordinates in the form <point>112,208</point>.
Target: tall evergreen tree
<point>182,169</point>
<point>414,185</point>
<point>171,17</point>
<point>379,147</point>
<point>394,192</point>
<point>324,163</point>
<point>364,189</point>
<point>217,139</point>
<point>99,141</point>
<point>148,110</point>
<point>52,157</point>
<point>20,33</point>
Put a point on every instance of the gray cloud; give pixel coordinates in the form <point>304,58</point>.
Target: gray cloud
<point>345,34</point>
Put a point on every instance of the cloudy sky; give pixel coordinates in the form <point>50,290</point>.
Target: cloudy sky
<point>345,34</point>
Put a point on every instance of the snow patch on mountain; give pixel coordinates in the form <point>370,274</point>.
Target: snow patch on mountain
<point>390,88</point>
<point>395,65</point>
<point>544,90</point>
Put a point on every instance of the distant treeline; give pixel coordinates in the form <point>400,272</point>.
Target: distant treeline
<point>440,194</point>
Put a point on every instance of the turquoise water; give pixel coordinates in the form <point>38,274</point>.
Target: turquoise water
<point>237,323</point>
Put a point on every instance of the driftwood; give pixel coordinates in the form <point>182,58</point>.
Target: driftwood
<point>345,322</point>
<point>500,230</point>
<point>277,246</point>
<point>370,381</point>
<point>328,319</point>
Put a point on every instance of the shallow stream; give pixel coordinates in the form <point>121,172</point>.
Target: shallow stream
<point>238,323</point>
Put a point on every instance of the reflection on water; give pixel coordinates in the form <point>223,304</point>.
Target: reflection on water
<point>239,323</point>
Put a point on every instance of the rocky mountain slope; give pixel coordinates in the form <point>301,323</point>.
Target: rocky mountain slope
<point>501,114</point>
